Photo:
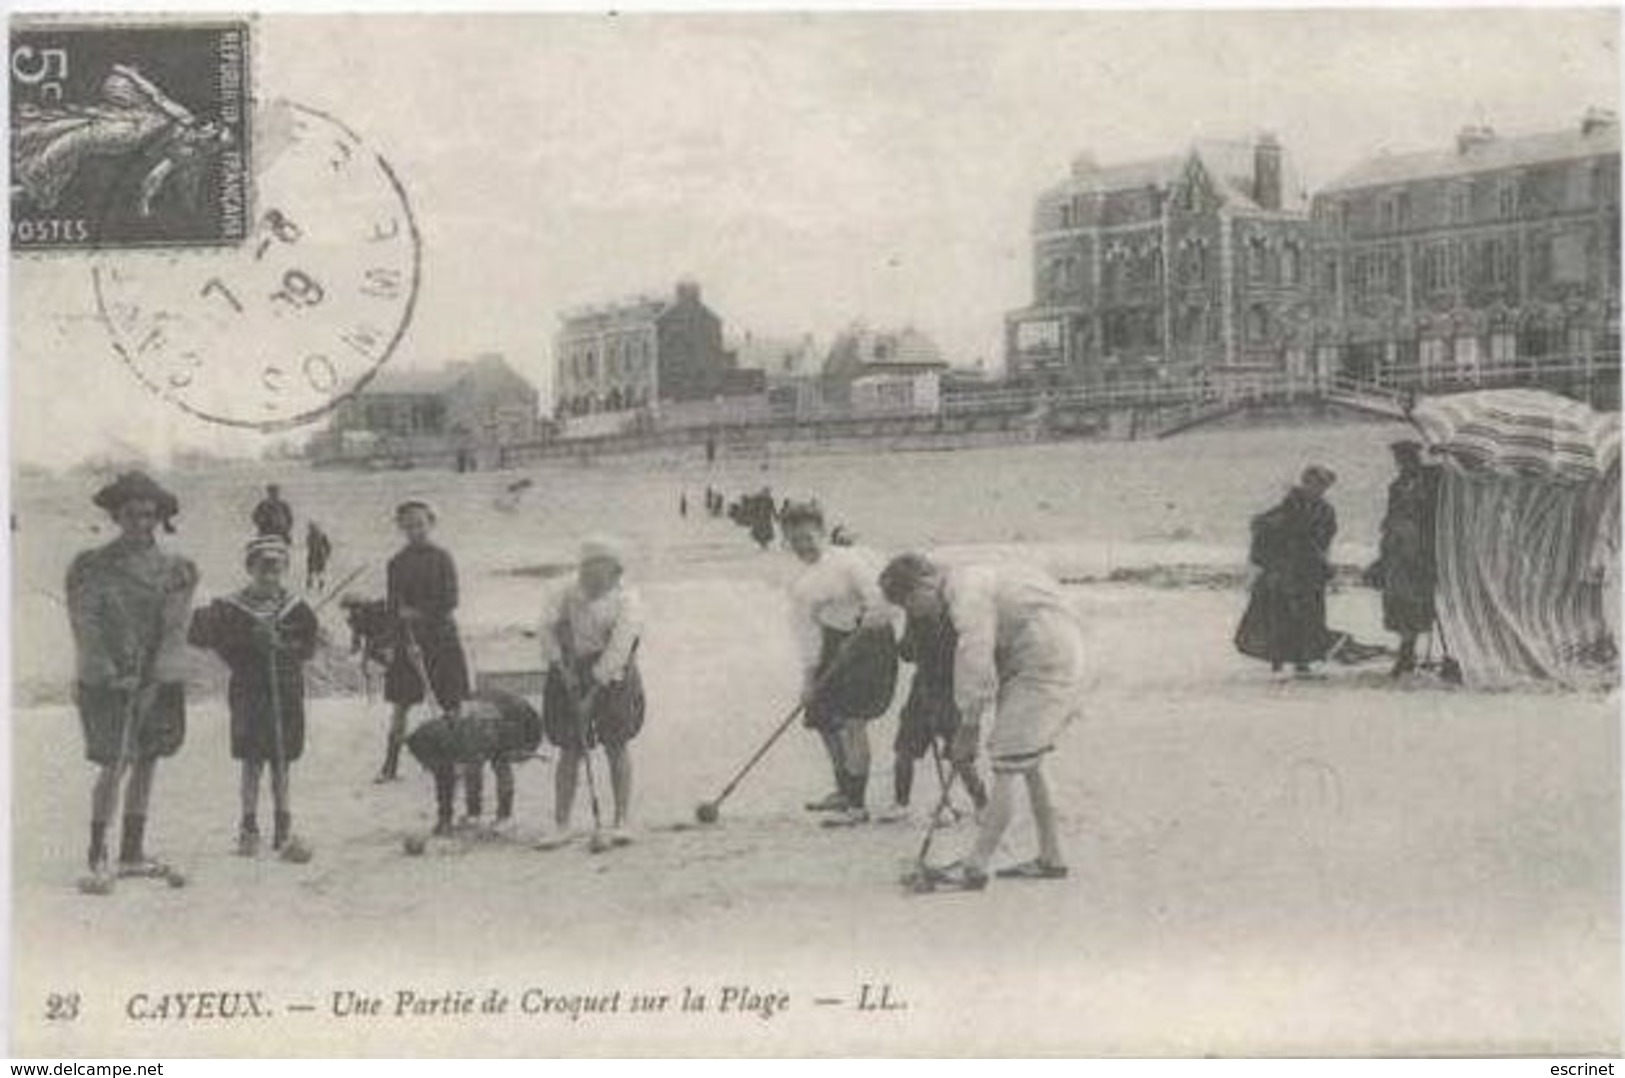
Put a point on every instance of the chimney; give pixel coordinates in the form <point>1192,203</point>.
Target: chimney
<point>1084,165</point>
<point>688,291</point>
<point>1472,136</point>
<point>1267,172</point>
<point>1596,121</point>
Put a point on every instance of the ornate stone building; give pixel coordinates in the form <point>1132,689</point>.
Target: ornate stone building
<point>633,354</point>
<point>1177,267</point>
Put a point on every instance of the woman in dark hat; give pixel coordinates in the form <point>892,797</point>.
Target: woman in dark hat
<point>1285,620</point>
<point>1406,567</point>
<point>129,603</point>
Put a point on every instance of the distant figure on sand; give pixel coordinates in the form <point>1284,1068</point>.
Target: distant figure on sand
<point>264,634</point>
<point>273,516</point>
<point>1018,673</point>
<point>594,696</point>
<point>848,649</point>
<point>761,515</point>
<point>128,604</point>
<point>318,549</point>
<point>1285,621</point>
<point>1406,567</point>
<point>682,505</point>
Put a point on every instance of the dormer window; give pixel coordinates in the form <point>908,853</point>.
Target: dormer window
<point>1507,199</point>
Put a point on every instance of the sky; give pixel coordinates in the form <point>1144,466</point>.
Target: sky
<point>808,171</point>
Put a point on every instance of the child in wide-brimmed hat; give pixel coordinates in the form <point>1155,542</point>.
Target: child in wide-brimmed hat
<point>128,603</point>
<point>264,634</point>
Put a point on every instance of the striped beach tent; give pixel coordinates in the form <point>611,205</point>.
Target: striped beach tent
<point>1528,536</point>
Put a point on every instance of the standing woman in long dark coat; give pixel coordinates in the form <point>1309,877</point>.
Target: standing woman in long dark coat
<point>128,603</point>
<point>1406,568</point>
<point>260,629</point>
<point>1285,620</point>
<point>421,596</point>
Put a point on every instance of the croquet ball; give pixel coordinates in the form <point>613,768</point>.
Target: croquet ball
<point>415,845</point>
<point>96,885</point>
<point>706,812</point>
<point>175,878</point>
<point>296,851</point>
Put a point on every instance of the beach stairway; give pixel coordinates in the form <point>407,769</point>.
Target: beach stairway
<point>1197,414</point>
<point>1345,392</point>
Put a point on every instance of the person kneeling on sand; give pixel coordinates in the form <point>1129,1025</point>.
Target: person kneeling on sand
<point>594,692</point>
<point>1018,670</point>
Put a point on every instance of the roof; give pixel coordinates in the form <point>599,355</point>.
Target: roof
<point>414,382</point>
<point>860,350</point>
<point>417,382</point>
<point>1492,154</point>
<point>777,355</point>
<point>1229,162</point>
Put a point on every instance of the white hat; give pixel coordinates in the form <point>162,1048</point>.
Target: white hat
<point>265,546</point>
<point>603,548</point>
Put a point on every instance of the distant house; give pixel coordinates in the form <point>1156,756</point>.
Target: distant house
<point>883,371</point>
<point>791,368</point>
<point>468,410</point>
<point>634,354</point>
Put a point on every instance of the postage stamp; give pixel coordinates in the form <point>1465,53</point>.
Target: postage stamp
<point>129,135</point>
<point>274,332</point>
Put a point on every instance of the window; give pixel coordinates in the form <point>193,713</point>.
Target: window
<point>1604,184</point>
<point>1466,357</point>
<point>1568,258</point>
<point>1329,277</point>
<point>1440,267</point>
<point>1579,185</point>
<point>1503,348</point>
<point>1258,324</point>
<point>1432,357</point>
<point>1038,336</point>
<point>1257,259</point>
<point>1402,209</point>
<point>1066,215</point>
<point>1496,259</point>
<point>1290,264</point>
<point>1577,345</point>
<point>1507,199</point>
<point>1460,204</point>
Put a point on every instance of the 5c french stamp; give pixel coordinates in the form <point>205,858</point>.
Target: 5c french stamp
<point>129,135</point>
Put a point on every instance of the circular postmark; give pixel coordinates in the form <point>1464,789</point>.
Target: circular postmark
<point>275,331</point>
